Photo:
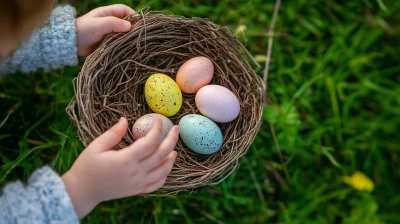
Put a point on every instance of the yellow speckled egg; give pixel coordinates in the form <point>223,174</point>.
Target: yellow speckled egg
<point>163,94</point>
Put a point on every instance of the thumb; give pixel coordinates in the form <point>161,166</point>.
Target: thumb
<point>111,137</point>
<point>110,24</point>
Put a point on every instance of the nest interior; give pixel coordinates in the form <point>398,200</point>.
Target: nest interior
<point>111,85</point>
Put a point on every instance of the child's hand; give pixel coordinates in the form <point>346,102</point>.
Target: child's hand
<point>101,174</point>
<point>92,27</point>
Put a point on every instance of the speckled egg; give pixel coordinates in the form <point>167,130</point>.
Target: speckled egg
<point>217,103</point>
<point>194,74</point>
<point>144,123</point>
<point>163,94</point>
<point>200,134</point>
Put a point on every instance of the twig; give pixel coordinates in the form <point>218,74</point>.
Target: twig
<point>276,174</point>
<point>270,41</point>
<point>272,127</point>
<point>256,184</point>
<point>9,113</point>
<point>207,215</point>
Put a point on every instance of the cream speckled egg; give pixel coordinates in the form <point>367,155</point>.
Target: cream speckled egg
<point>217,103</point>
<point>144,123</point>
<point>194,74</point>
<point>163,94</point>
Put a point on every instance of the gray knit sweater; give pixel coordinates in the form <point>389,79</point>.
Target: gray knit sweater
<point>44,199</point>
<point>51,47</point>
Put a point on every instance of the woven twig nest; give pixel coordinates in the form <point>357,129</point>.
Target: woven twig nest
<point>111,85</point>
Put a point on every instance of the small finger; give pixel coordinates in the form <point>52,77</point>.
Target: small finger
<point>157,177</point>
<point>111,137</point>
<point>146,145</point>
<point>165,148</point>
<point>117,10</point>
<point>155,186</point>
<point>111,24</point>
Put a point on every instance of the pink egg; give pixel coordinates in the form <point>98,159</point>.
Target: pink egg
<point>217,103</point>
<point>194,74</point>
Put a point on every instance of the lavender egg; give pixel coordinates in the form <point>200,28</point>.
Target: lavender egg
<point>200,134</point>
<point>217,103</point>
<point>144,123</point>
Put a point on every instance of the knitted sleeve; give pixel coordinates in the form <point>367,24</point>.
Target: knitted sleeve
<point>43,200</point>
<point>51,47</point>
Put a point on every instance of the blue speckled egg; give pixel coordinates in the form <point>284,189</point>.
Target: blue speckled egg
<point>200,134</point>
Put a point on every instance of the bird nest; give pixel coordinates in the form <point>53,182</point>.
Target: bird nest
<point>111,85</point>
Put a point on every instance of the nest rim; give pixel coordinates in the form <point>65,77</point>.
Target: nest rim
<point>98,102</point>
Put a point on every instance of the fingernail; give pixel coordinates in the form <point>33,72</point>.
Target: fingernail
<point>127,24</point>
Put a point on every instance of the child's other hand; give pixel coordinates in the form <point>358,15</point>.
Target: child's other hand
<point>101,174</point>
<point>92,27</point>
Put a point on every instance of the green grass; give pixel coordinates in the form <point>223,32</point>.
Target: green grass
<point>334,88</point>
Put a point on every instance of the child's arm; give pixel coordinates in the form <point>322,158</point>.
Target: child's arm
<point>99,174</point>
<point>63,39</point>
